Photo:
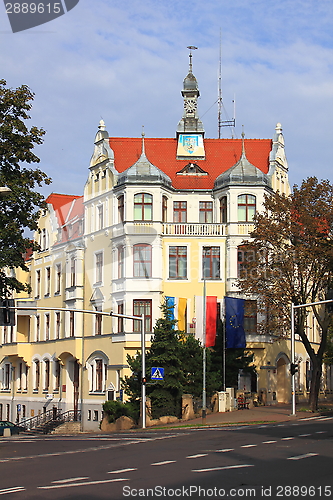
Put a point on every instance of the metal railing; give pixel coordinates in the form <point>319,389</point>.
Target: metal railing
<point>47,421</point>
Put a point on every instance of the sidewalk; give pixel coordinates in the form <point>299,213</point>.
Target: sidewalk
<point>275,413</point>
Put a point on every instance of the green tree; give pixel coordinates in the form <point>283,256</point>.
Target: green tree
<point>164,352</point>
<point>289,259</point>
<point>20,208</point>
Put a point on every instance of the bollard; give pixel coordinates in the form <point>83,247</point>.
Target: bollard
<point>7,432</point>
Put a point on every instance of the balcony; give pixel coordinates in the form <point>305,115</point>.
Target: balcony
<point>179,229</point>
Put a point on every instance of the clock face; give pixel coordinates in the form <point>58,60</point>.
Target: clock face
<point>190,105</point>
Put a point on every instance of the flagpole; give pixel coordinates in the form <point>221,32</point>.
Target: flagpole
<point>204,353</point>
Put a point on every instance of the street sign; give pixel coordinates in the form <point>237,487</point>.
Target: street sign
<point>157,373</point>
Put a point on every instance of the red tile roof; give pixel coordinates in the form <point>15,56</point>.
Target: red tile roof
<point>62,205</point>
<point>221,154</point>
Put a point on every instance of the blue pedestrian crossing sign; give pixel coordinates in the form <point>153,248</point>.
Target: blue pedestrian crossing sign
<point>157,373</point>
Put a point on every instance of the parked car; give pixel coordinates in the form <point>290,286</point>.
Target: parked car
<point>14,429</point>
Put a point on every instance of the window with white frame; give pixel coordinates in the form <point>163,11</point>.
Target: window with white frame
<point>47,326</point>
<point>57,372</point>
<point>100,217</point>
<point>37,294</point>
<point>98,365</point>
<point>121,261</point>
<point>72,271</point>
<point>246,207</point>
<point>99,267</point>
<point>98,321</point>
<point>57,289</point>
<point>36,365</point>
<point>47,281</point>
<point>46,375</point>
<point>37,328</point>
<point>57,325</point>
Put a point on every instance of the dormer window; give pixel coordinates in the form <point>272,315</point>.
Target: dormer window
<point>192,169</point>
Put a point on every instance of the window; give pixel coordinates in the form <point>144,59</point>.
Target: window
<point>164,208</point>
<point>100,213</point>
<point>7,377</point>
<point>38,284</point>
<point>99,267</point>
<point>58,279</point>
<point>56,375</point>
<point>20,377</point>
<point>72,271</point>
<point>46,374</point>
<point>246,207</point>
<point>57,325</point>
<point>244,254</point>
<point>142,307</point>
<point>48,281</point>
<point>179,211</point>
<point>250,316</point>
<point>99,375</point>
<point>71,324</point>
<point>121,320</point>
<point>47,326</point>
<point>205,211</point>
<point>37,375</point>
<point>142,261</point>
<point>98,321</point>
<point>37,328</point>
<point>96,415</point>
<point>143,206</point>
<point>223,209</point>
<point>178,263</point>
<point>121,256</point>
<point>211,262</point>
<point>121,208</point>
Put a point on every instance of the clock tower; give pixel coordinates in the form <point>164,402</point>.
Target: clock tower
<point>190,130</point>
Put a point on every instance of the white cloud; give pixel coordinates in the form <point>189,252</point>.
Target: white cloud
<point>125,61</point>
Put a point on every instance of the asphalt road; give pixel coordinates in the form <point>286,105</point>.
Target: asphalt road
<point>287,460</point>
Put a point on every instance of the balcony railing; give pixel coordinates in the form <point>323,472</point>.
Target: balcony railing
<point>194,229</point>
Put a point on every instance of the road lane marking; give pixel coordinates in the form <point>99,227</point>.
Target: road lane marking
<point>326,418</point>
<point>120,471</point>
<point>14,489</point>
<point>198,455</point>
<point>321,432</point>
<point>94,448</point>
<point>223,468</point>
<point>248,445</point>
<point>269,442</point>
<point>287,438</point>
<point>165,462</point>
<point>309,418</point>
<point>70,480</point>
<point>303,435</point>
<point>225,450</point>
<point>88,483</point>
<point>306,455</point>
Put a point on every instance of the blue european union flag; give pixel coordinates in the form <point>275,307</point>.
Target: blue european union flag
<point>234,322</point>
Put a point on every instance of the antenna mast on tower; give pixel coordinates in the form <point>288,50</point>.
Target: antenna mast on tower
<point>222,123</point>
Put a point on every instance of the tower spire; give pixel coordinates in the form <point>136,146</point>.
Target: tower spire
<point>191,47</point>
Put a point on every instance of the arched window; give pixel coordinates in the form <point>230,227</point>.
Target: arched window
<point>98,367</point>
<point>142,261</point>
<point>143,206</point>
<point>223,209</point>
<point>246,207</point>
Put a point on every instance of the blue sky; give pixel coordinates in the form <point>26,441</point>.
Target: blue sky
<point>124,61</point>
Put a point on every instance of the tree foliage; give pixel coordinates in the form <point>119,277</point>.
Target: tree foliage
<point>289,259</point>
<point>181,356</point>
<point>20,208</point>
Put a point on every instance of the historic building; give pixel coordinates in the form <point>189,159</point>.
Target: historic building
<point>158,217</point>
